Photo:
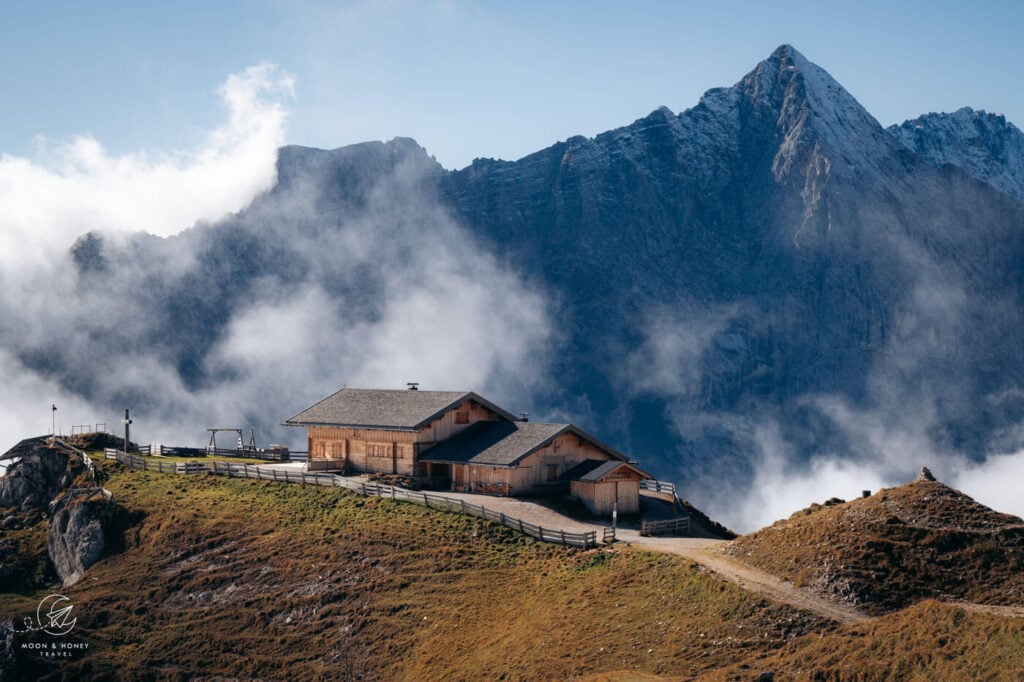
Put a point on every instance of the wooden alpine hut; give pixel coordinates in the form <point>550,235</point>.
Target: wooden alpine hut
<point>461,441</point>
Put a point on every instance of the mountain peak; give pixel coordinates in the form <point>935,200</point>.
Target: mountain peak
<point>788,73</point>
<point>812,111</point>
<point>786,52</point>
<point>984,145</point>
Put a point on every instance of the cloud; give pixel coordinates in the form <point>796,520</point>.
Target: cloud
<point>994,482</point>
<point>361,279</point>
<point>77,186</point>
<point>670,358</point>
<point>782,486</point>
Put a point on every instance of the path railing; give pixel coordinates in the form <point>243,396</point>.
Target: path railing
<point>660,487</point>
<point>137,461</point>
<point>668,526</point>
<point>429,500</point>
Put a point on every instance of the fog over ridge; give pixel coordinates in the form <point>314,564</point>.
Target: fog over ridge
<point>243,321</point>
<point>815,333</point>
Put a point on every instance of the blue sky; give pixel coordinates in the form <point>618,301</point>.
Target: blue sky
<point>470,79</point>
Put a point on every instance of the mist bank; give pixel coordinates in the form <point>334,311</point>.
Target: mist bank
<point>767,298</point>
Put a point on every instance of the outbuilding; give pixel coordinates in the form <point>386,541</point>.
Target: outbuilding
<point>606,486</point>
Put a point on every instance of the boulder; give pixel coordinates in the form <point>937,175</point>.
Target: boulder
<point>43,467</point>
<point>80,524</point>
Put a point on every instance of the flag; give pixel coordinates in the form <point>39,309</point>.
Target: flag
<point>54,408</point>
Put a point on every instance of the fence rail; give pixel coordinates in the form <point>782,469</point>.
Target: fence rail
<point>668,526</point>
<point>250,453</point>
<point>661,487</point>
<point>429,500</point>
<point>137,461</point>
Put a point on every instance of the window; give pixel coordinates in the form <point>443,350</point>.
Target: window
<point>552,472</point>
<point>378,450</point>
<point>462,417</point>
<point>337,449</point>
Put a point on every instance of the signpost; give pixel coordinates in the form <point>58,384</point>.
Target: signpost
<point>615,506</point>
<point>127,421</point>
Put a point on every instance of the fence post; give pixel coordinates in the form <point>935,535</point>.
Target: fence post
<point>501,516</point>
<point>562,533</point>
<point>462,505</point>
<point>426,502</point>
<point>520,525</point>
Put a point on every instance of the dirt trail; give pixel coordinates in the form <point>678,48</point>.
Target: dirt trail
<point>708,553</point>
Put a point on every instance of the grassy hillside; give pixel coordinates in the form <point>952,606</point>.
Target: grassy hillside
<point>926,642</point>
<point>246,579</point>
<point>238,579</point>
<point>897,547</point>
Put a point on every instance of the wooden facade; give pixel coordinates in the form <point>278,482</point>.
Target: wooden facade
<point>537,471</point>
<point>600,497</point>
<point>364,450</point>
<point>389,451</point>
<point>462,441</point>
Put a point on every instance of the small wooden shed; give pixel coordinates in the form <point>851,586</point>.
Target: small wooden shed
<point>604,486</point>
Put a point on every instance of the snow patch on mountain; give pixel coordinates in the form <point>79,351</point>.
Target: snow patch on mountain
<point>986,146</point>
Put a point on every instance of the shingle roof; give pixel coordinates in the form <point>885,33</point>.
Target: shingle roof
<point>503,443</point>
<point>385,409</point>
<point>593,470</point>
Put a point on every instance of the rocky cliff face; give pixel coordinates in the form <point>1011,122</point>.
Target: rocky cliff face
<point>771,256</point>
<point>983,145</point>
<point>41,471</point>
<point>50,474</point>
<point>80,522</point>
<point>770,274</point>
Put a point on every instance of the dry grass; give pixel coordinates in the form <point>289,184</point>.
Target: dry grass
<point>238,579</point>
<point>926,642</point>
<point>897,547</point>
<point>257,580</point>
<point>25,558</point>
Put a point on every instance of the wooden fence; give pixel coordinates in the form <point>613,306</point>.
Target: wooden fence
<point>137,461</point>
<point>666,527</point>
<point>660,487</point>
<point>245,453</point>
<point>429,500</point>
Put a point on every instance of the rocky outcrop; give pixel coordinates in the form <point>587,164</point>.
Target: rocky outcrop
<point>983,145</point>
<point>43,468</point>
<point>80,521</point>
<point>49,474</point>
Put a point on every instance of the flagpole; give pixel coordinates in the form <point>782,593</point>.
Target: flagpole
<point>53,420</point>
